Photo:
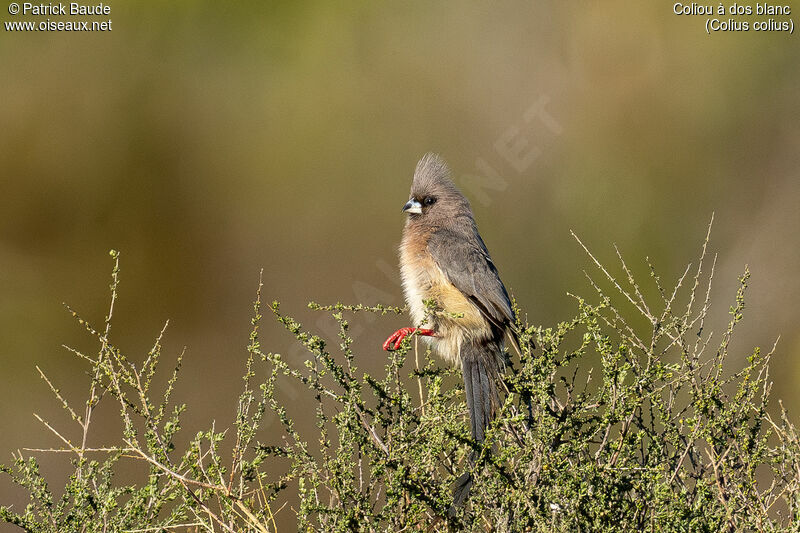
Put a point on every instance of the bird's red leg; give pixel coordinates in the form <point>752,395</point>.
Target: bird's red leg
<point>396,339</point>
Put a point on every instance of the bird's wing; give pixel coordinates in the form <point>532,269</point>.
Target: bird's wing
<point>465,261</point>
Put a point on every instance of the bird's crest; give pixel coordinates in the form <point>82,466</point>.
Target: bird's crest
<point>432,174</point>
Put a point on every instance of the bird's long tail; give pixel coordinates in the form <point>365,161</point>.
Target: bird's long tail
<point>480,365</point>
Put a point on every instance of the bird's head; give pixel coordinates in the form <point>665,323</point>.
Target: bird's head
<point>434,197</point>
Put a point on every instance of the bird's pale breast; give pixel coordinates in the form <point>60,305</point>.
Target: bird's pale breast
<point>424,280</point>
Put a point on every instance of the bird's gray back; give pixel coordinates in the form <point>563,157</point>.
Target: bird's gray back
<point>461,254</point>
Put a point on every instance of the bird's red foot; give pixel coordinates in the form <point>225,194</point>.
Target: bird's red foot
<point>396,339</point>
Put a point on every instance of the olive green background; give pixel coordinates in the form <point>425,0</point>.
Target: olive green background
<point>206,141</point>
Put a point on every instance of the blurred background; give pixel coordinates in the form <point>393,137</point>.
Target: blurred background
<point>207,141</point>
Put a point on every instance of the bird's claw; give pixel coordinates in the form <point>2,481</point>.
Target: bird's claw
<point>396,339</point>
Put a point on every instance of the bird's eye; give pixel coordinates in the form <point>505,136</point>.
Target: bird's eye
<point>430,200</point>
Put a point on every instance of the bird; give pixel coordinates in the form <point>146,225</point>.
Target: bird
<point>443,258</point>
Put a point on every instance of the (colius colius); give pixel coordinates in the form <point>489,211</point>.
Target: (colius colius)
<point>443,258</point>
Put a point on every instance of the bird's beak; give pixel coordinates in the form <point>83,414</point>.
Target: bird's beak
<point>413,206</point>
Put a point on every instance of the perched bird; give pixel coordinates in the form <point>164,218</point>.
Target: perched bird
<point>443,258</point>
